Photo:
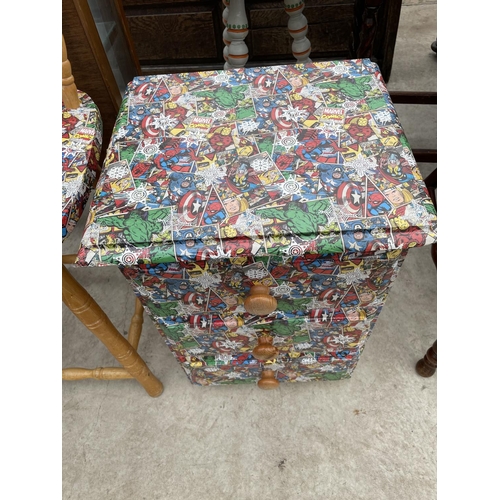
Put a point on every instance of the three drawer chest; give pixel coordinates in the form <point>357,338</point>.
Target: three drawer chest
<point>261,215</point>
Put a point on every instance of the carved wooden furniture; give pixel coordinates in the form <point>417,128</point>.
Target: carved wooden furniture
<point>236,29</point>
<point>92,65</point>
<point>81,146</point>
<point>427,366</point>
<point>167,34</point>
<point>261,215</point>
<point>164,37</point>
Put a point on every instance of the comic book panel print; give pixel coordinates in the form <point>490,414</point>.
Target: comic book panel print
<point>81,149</point>
<point>322,304</point>
<point>294,158</point>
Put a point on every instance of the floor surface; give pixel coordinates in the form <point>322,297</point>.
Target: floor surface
<point>372,437</point>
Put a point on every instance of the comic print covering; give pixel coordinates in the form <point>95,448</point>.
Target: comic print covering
<point>281,160</point>
<point>295,177</point>
<point>326,310</point>
<point>81,147</point>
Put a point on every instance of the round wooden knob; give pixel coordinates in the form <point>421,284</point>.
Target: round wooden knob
<point>267,381</point>
<point>259,302</point>
<point>264,350</point>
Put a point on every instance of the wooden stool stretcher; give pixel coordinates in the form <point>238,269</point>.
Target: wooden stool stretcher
<point>86,309</point>
<point>81,169</point>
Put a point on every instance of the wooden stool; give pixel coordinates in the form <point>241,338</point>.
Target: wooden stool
<point>82,130</point>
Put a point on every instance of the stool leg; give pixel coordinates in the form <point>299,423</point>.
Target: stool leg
<point>426,367</point>
<point>135,328</point>
<point>86,309</point>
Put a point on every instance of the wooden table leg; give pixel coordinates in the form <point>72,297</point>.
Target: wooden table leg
<point>86,309</point>
<point>426,367</point>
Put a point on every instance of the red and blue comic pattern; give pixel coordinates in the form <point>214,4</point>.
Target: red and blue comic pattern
<point>326,310</point>
<point>81,147</point>
<point>306,159</point>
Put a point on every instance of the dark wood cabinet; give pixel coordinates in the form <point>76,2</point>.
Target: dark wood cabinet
<point>186,35</point>
<point>101,53</point>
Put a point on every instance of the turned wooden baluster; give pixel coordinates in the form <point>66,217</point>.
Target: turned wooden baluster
<point>225,36</point>
<point>135,328</point>
<point>367,26</point>
<point>69,91</point>
<point>234,35</point>
<point>297,26</point>
<point>427,366</point>
<point>259,302</point>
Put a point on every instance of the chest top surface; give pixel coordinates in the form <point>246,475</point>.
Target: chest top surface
<point>281,160</point>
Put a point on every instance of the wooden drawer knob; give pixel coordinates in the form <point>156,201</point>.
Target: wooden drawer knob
<point>268,381</point>
<point>259,302</point>
<point>264,350</point>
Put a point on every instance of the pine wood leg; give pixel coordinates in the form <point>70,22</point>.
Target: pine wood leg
<point>110,373</point>
<point>426,367</point>
<point>86,309</point>
<point>135,328</point>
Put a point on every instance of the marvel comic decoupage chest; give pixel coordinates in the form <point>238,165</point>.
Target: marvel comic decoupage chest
<point>260,215</point>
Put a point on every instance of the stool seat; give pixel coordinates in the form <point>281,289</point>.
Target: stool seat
<point>81,148</point>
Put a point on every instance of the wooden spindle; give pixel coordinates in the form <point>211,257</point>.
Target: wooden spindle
<point>69,91</point>
<point>368,28</point>
<point>109,373</point>
<point>86,309</point>
<point>264,350</point>
<point>225,36</point>
<point>236,31</point>
<point>297,26</point>
<point>135,328</point>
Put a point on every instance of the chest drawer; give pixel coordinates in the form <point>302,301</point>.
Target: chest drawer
<point>322,305</point>
<point>286,336</point>
<point>304,287</point>
<point>303,367</point>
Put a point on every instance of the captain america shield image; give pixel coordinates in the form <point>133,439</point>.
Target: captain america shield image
<point>190,207</point>
<point>281,118</point>
<point>264,84</point>
<point>144,92</point>
<point>149,128</point>
<point>351,197</point>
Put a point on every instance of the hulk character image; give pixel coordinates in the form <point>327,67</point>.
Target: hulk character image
<point>285,328</point>
<point>353,88</point>
<point>175,333</point>
<point>294,307</point>
<point>139,227</point>
<point>230,98</point>
<point>163,309</point>
<point>303,220</point>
